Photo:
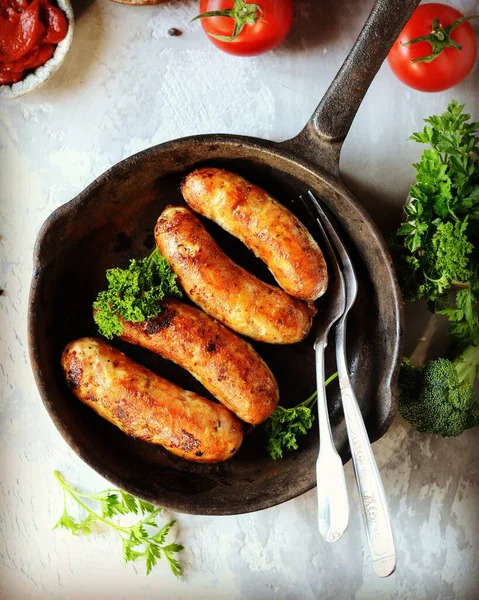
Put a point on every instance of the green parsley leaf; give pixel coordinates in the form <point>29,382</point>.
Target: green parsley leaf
<point>463,317</point>
<point>138,541</point>
<point>164,531</point>
<point>138,532</point>
<point>84,526</point>
<point>129,554</point>
<point>134,293</point>
<point>152,554</point>
<point>145,507</point>
<point>286,425</point>
<point>172,561</point>
<point>110,505</point>
<point>434,249</point>
<point>413,230</point>
<point>129,502</point>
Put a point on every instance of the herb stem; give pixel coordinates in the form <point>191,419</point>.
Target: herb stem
<point>74,495</point>
<point>309,402</point>
<point>137,540</point>
<point>99,496</point>
<point>331,379</point>
<point>286,425</point>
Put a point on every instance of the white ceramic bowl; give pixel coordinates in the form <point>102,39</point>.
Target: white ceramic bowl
<point>41,74</point>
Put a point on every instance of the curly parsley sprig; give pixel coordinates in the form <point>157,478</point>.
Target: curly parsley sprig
<point>134,293</point>
<point>142,540</point>
<point>286,425</point>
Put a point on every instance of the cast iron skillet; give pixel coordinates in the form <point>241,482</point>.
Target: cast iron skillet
<point>113,219</point>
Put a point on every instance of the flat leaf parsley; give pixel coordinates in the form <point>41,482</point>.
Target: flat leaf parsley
<point>142,540</point>
<point>435,248</point>
<point>134,293</point>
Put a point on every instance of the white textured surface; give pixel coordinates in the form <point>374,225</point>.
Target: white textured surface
<point>124,86</point>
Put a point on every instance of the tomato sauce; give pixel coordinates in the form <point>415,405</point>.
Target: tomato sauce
<point>29,32</point>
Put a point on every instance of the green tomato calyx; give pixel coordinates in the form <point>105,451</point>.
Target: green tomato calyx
<point>243,14</point>
<point>439,38</point>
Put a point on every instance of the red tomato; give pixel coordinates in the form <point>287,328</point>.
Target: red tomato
<point>450,67</point>
<point>269,30</point>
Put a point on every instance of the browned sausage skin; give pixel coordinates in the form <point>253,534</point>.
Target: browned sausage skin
<point>146,406</point>
<point>264,225</point>
<point>223,289</point>
<point>224,363</point>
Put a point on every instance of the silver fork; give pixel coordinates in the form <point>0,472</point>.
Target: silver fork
<point>371,491</point>
<point>333,504</point>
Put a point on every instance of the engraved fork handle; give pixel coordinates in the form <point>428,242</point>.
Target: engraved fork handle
<point>333,504</point>
<point>371,491</point>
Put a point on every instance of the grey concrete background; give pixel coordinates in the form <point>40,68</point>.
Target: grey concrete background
<point>125,86</point>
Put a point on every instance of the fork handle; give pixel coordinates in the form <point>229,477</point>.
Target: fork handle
<point>371,491</point>
<point>333,504</point>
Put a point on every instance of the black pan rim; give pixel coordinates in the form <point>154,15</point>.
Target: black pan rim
<point>223,139</point>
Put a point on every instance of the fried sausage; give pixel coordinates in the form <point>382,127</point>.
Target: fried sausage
<point>224,363</point>
<point>264,225</point>
<point>222,288</point>
<point>148,407</point>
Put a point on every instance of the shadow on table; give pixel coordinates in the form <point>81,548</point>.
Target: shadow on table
<point>86,50</point>
<point>80,6</point>
<point>386,210</point>
<point>322,23</point>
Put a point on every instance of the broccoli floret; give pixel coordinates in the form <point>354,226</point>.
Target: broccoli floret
<point>439,397</point>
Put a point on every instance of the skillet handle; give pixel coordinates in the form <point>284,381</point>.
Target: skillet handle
<point>323,136</point>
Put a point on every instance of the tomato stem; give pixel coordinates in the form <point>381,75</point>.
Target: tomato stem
<point>243,14</point>
<point>439,38</point>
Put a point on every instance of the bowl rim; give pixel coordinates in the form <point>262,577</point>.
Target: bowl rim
<point>33,81</point>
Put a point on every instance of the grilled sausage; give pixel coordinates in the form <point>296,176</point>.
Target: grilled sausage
<point>224,363</point>
<point>264,225</point>
<point>222,288</point>
<point>146,406</point>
